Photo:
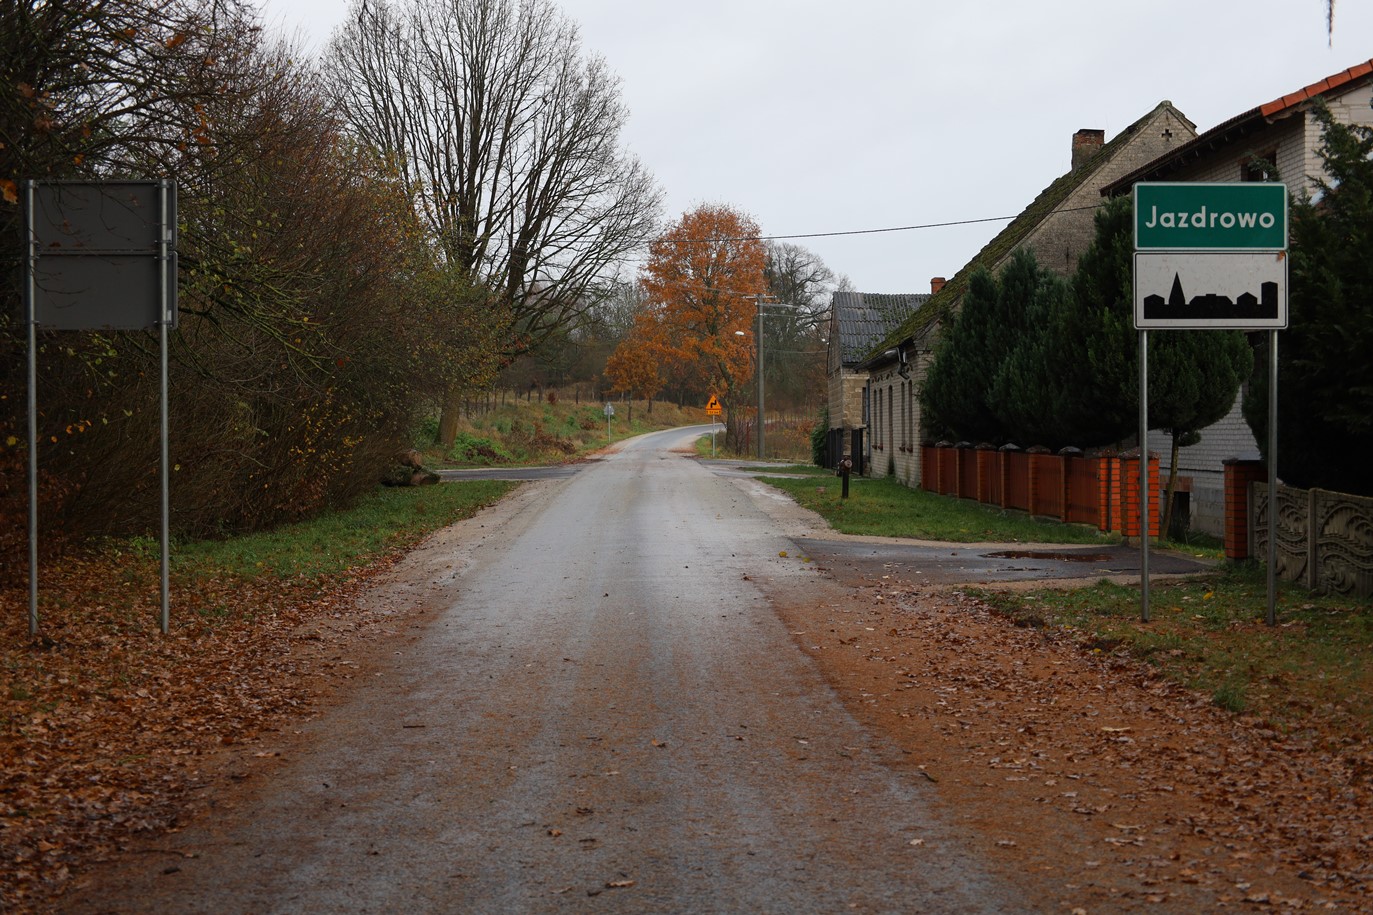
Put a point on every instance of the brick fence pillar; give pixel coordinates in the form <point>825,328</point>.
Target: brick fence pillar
<point>1238,475</point>
<point>1108,491</point>
<point>1129,495</point>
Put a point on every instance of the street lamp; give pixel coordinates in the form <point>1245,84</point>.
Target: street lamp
<point>758,378</point>
<point>758,350</point>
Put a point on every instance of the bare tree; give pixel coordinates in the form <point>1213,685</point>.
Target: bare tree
<point>507,136</point>
<point>800,286</point>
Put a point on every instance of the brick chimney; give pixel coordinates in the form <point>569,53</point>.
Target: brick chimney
<point>936,284</point>
<point>1085,144</point>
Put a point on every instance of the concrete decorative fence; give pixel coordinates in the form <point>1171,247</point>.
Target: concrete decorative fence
<point>1101,490</point>
<point>1325,539</point>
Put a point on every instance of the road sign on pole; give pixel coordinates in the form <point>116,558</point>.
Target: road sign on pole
<point>713,406</point>
<point>1242,216</point>
<point>1220,252</point>
<point>1185,289</point>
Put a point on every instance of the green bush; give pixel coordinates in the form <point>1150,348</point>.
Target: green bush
<point>471,449</point>
<point>819,439</point>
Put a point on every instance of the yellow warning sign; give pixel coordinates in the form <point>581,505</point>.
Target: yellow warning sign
<point>713,407</point>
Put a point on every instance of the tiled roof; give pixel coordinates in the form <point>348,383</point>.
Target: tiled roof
<point>1315,89</point>
<point>1238,126</point>
<point>1008,239</point>
<point>865,318</point>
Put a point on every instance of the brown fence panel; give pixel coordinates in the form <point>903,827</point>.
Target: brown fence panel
<point>988,475</point>
<point>948,471</point>
<point>967,473</point>
<point>1084,490</point>
<point>1017,476</point>
<point>1046,484</point>
<point>929,467</point>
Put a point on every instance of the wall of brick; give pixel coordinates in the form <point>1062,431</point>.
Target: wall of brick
<point>894,433</point>
<point>1295,139</point>
<point>1238,475</point>
<point>846,398</point>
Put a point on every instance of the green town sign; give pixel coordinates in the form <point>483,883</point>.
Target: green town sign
<point>1249,216</point>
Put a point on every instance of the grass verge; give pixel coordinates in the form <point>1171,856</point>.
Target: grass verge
<point>886,508</point>
<point>332,544</point>
<point>1311,674</point>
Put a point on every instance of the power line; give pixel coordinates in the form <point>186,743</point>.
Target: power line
<point>927,225</point>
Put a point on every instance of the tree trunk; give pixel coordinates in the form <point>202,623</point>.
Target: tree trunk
<point>448,419</point>
<point>1167,521</point>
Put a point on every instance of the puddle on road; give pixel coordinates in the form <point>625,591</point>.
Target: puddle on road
<point>1044,554</point>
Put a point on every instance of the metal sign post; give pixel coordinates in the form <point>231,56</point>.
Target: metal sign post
<point>101,256</point>
<point>1271,618</point>
<point>609,412</point>
<point>30,309</point>
<point>1211,256</point>
<point>1144,475</point>
<point>713,409</point>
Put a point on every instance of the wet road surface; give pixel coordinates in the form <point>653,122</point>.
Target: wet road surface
<point>610,718</point>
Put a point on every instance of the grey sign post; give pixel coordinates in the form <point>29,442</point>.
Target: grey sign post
<point>101,256</point>
<point>1209,256</point>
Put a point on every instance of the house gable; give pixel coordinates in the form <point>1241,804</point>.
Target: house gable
<point>1058,225</point>
<point>1281,133</point>
<point>857,320</point>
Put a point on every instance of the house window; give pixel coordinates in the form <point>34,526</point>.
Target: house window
<point>891,392</point>
<point>877,417</point>
<point>905,415</point>
<point>1260,166</point>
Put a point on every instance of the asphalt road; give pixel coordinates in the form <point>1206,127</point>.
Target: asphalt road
<point>610,719</point>
<point>936,564</point>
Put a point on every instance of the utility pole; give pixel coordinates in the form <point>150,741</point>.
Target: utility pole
<point>759,339</point>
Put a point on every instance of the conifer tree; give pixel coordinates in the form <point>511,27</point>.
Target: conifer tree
<point>955,395</point>
<point>1194,375</point>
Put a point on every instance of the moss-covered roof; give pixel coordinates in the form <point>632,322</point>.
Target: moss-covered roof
<point>942,303</point>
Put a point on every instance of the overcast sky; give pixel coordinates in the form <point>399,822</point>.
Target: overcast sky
<point>814,116</point>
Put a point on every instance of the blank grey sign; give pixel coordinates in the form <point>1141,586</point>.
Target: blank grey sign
<point>98,263</point>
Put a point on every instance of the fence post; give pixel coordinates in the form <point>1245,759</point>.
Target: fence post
<point>1067,457</point>
<point>1239,474</point>
<point>1006,472</point>
<point>1107,467</point>
<point>1036,468</point>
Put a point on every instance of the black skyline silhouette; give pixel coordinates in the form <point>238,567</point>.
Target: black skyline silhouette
<point>1177,306</point>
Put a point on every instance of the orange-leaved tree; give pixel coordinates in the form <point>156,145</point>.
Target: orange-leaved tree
<point>633,368</point>
<point>701,280</point>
